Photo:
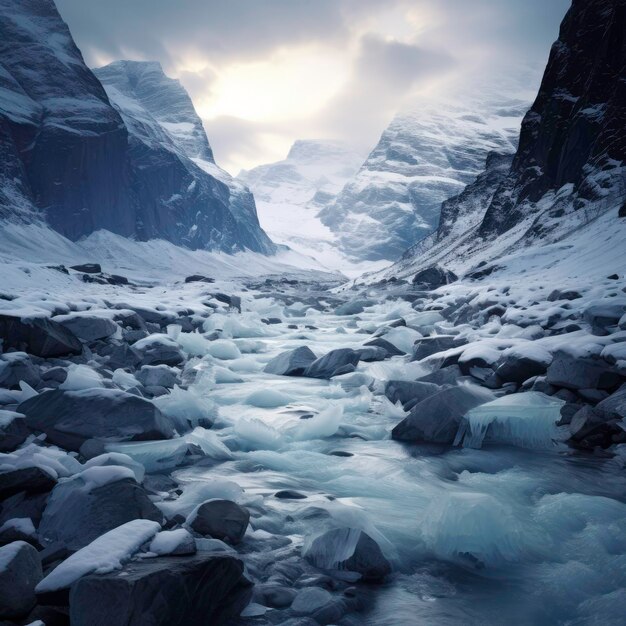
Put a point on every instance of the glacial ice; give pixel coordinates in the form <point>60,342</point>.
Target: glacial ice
<point>105,554</point>
<point>81,377</point>
<point>268,398</point>
<point>117,459</point>
<point>256,434</point>
<point>57,462</point>
<point>324,424</point>
<point>124,380</point>
<point>195,493</point>
<point>223,349</point>
<point>186,407</point>
<point>526,419</point>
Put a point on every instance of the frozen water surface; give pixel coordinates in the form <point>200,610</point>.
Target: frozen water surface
<point>496,535</point>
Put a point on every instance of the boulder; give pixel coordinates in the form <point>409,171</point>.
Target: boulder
<point>517,369</point>
<point>449,375</point>
<point>409,393</point>
<point>199,278</point>
<point>605,316</point>
<point>348,549</point>
<point>86,326</point>
<point>13,430</point>
<point>563,294</point>
<point>389,348</point>
<point>23,505</point>
<point>123,356</point>
<point>335,363</point>
<point>69,418</point>
<point>615,403</point>
<point>20,571</point>
<point>437,418</point>
<point>433,277</point>
<point>578,373</point>
<point>91,503</point>
<point>174,590</point>
<point>156,376</point>
<point>159,350</point>
<point>87,268</point>
<point>232,301</point>
<point>38,335</point>
<point>28,479</point>
<point>369,354</point>
<point>220,519</point>
<point>291,362</point>
<point>428,346</point>
<point>592,427</point>
<point>16,367</point>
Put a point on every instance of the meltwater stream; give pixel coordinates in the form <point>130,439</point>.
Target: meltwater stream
<point>500,535</point>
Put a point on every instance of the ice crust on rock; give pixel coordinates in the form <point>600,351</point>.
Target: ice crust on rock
<point>524,419</point>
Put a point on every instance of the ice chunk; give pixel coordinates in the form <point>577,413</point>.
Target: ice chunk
<point>56,462</point>
<point>105,554</point>
<point>117,459</point>
<point>186,407</point>
<point>268,398</point>
<point>526,419</point>
<point>402,338</point>
<point>245,364</point>
<point>324,424</point>
<point>197,492</point>
<point>81,377</point>
<point>194,344</point>
<point>223,349</point>
<point>171,542</point>
<point>223,375</point>
<point>123,379</point>
<point>257,434</point>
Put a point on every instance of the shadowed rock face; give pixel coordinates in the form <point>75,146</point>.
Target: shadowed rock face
<point>71,158</point>
<point>574,131</point>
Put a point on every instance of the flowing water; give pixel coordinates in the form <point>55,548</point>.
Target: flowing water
<point>500,535</point>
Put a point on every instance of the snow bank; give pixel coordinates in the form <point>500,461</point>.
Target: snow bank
<point>105,554</point>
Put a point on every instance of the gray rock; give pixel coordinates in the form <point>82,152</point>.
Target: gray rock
<point>565,294</point>
<point>428,346</point>
<point>123,356</point>
<point>577,373</point>
<point>15,367</point>
<point>20,571</point>
<point>291,362</point>
<point>390,349</point>
<point>174,590</point>
<point>348,549</point>
<point>433,277</point>
<point>274,595</point>
<point>592,427</point>
<point>38,335</point>
<point>23,505</point>
<point>409,393</point>
<point>160,350</point>
<point>221,519</point>
<point>604,317</point>
<point>86,326</point>
<point>13,430</point>
<point>157,376</point>
<point>615,403</point>
<point>28,479</point>
<point>519,369</point>
<point>199,278</point>
<point>87,268</point>
<point>69,418</point>
<point>56,374</point>
<point>437,418</point>
<point>449,375</point>
<point>77,512</point>
<point>333,364</point>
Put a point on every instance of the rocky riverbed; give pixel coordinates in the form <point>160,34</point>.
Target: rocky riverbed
<point>288,452</point>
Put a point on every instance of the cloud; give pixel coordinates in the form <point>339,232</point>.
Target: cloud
<point>265,73</point>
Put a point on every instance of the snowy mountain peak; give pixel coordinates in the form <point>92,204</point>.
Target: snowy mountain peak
<point>163,98</point>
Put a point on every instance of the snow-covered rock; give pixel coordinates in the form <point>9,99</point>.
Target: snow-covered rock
<point>20,572</point>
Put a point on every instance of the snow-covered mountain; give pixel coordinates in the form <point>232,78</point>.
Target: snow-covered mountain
<point>290,193</point>
<point>196,203</point>
<point>569,169</point>
<point>427,154</point>
<point>70,159</point>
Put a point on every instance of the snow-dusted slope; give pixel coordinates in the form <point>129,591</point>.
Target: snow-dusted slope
<point>290,193</point>
<point>427,154</point>
<point>184,196</point>
<point>569,170</point>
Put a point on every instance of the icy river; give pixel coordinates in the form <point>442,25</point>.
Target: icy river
<point>498,535</point>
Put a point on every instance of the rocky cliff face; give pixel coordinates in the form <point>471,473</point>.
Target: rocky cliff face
<point>71,158</point>
<point>63,145</point>
<point>424,157</point>
<point>573,135</point>
<point>183,196</point>
<point>569,168</point>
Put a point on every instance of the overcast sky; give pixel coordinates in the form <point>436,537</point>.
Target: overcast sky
<point>263,73</point>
